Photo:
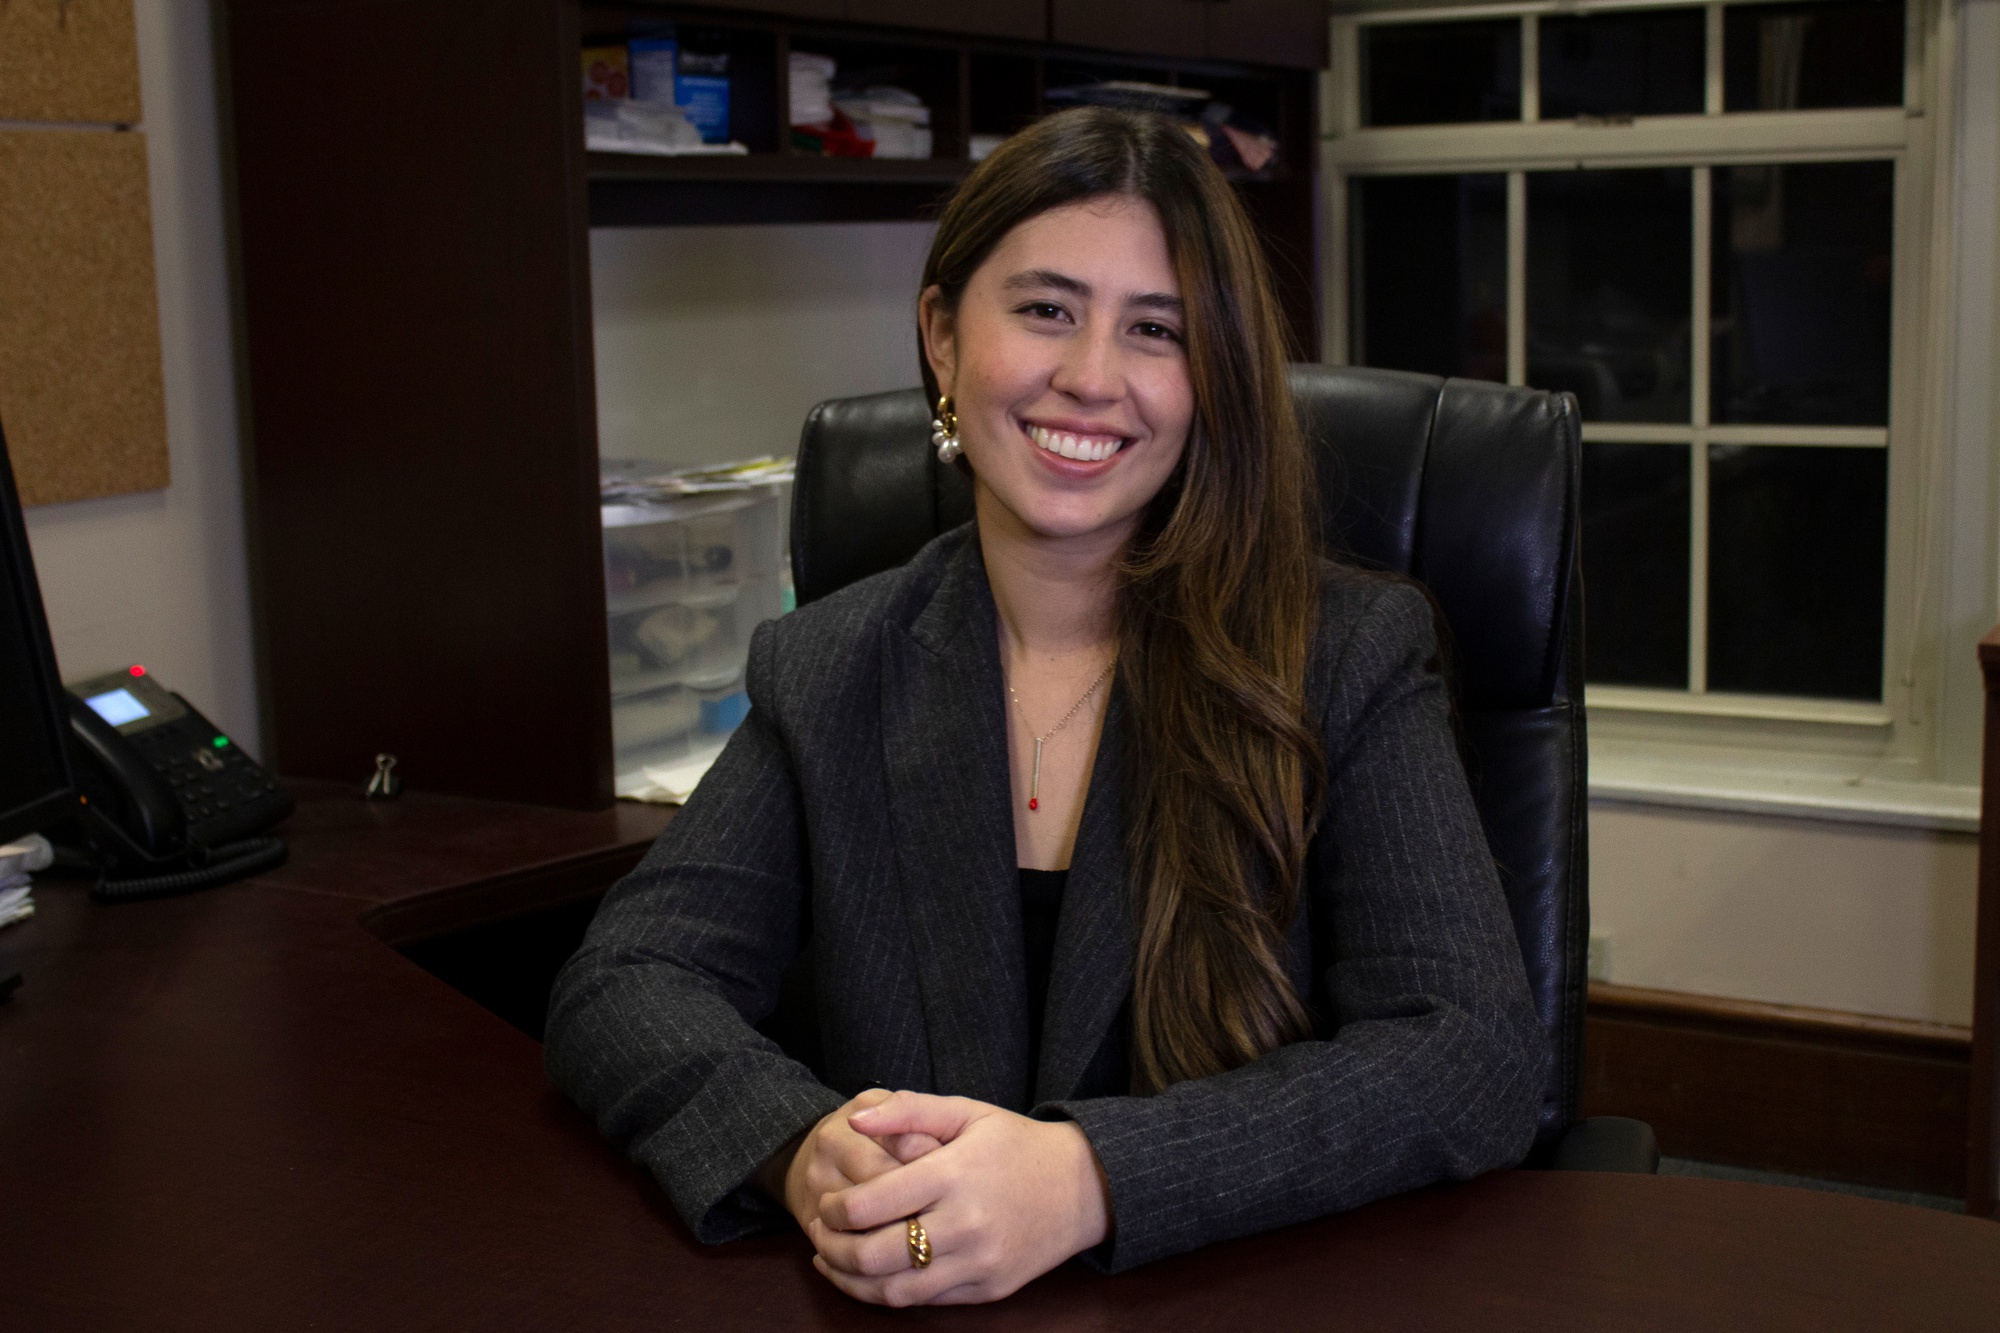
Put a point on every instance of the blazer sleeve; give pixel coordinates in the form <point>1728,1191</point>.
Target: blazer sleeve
<point>1435,1063</point>
<point>650,1024</point>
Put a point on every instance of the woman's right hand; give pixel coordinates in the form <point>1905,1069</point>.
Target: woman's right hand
<point>833,1155</point>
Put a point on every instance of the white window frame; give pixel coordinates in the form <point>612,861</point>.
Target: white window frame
<point>1896,761</point>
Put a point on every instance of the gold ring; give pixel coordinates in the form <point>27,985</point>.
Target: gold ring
<point>920,1245</point>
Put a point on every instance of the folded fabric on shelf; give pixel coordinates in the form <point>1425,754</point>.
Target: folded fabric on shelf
<point>894,119</point>
<point>811,80</point>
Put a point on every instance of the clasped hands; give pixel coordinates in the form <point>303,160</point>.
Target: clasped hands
<point>1003,1198</point>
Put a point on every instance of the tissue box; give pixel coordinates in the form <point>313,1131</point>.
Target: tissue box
<point>655,64</point>
<point>606,75</point>
<point>705,100</point>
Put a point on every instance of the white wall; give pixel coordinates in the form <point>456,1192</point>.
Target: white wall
<point>713,342</point>
<point>1862,918</point>
<point>159,578</point>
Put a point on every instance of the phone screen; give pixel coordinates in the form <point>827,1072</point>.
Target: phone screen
<point>117,707</point>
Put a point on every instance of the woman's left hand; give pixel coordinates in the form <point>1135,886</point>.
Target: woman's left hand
<point>1004,1200</point>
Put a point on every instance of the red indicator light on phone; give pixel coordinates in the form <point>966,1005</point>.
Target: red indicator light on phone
<point>138,671</point>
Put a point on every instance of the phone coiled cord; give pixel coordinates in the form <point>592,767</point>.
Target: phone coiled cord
<point>231,860</point>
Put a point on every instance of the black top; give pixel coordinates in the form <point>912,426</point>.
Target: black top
<point>1041,904</point>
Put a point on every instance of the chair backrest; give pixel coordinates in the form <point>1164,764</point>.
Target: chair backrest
<point>1469,487</point>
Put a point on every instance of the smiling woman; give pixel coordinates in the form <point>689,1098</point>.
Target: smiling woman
<point>1213,949</point>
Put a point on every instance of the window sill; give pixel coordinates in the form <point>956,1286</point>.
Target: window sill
<point>1766,707</point>
<point>1828,787</point>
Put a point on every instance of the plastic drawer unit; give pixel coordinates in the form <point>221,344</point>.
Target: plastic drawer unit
<point>686,580</point>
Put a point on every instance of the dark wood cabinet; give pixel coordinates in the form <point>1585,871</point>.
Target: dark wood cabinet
<point>1026,20</point>
<point>1267,32</point>
<point>411,210</point>
<point>413,252</point>
<point>1158,27</point>
<point>805,9</point>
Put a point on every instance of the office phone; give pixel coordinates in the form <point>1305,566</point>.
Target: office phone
<point>170,803</point>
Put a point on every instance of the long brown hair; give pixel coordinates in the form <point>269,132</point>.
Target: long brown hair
<point>1218,592</point>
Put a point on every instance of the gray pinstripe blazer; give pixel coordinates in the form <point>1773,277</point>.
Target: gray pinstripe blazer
<point>868,793</point>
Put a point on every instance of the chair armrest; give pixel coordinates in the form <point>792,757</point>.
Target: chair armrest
<point>1608,1143</point>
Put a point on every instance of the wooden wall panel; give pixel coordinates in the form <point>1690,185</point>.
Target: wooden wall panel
<point>69,60</point>
<point>80,389</point>
<point>1778,1088</point>
<point>416,307</point>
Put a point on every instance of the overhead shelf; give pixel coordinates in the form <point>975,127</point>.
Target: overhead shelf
<point>781,167</point>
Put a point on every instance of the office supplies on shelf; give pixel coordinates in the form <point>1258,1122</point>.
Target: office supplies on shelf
<point>607,74</point>
<point>655,64</point>
<point>701,90</point>
<point>665,73</point>
<point>811,77</point>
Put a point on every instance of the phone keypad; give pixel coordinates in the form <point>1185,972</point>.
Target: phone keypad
<point>218,786</point>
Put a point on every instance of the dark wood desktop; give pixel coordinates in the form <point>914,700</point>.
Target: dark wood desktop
<point>245,1109</point>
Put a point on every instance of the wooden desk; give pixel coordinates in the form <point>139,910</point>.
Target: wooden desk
<point>240,1109</point>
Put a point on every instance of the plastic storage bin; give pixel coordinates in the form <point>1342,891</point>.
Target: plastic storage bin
<point>686,580</point>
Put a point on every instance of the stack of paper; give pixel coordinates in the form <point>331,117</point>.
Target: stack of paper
<point>17,859</point>
<point>640,482</point>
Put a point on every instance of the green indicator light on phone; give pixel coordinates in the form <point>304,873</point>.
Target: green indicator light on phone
<point>221,741</point>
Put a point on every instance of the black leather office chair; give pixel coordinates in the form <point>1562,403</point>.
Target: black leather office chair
<point>1469,487</point>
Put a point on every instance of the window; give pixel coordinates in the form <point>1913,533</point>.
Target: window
<point>1692,217</point>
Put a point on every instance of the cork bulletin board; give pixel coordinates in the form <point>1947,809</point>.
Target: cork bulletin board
<point>81,398</point>
<point>69,60</point>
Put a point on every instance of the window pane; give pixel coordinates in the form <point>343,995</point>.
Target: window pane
<point>1430,274</point>
<point>1610,271</point>
<point>1796,57</point>
<point>1635,564</point>
<point>1647,63</point>
<point>1800,293</point>
<point>1440,73</point>
<point>1795,559</point>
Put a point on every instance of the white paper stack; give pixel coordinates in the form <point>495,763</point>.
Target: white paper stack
<point>811,83</point>
<point>657,128</point>
<point>17,859</point>
<point>895,118</point>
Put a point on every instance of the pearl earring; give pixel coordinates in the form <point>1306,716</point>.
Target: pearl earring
<point>944,430</point>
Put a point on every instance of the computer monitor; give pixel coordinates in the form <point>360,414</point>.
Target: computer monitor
<point>35,785</point>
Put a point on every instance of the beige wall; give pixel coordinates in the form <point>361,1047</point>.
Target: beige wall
<point>714,342</point>
<point>1871,919</point>
<point>160,577</point>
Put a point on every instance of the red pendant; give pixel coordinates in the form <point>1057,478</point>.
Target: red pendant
<point>1034,804</point>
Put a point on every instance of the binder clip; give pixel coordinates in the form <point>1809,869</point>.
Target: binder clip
<point>385,785</point>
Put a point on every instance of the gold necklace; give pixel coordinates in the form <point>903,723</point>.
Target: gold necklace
<point>1035,777</point>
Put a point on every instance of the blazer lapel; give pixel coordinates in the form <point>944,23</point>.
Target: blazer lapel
<point>944,748</point>
<point>1091,974</point>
